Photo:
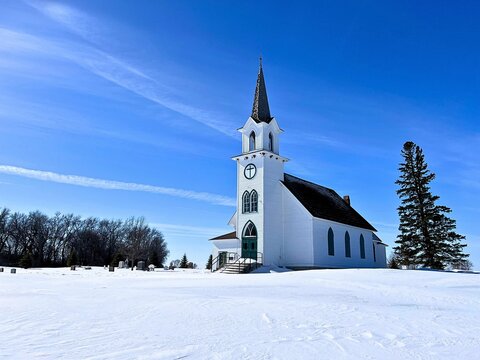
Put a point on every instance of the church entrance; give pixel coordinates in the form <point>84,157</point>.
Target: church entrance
<point>249,241</point>
<point>222,258</point>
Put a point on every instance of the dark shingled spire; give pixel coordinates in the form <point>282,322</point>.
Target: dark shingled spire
<point>260,110</point>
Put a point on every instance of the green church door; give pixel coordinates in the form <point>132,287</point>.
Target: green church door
<point>249,241</point>
<point>249,248</point>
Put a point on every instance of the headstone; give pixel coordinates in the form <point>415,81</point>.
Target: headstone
<point>72,267</point>
<point>13,271</point>
<point>88,268</point>
<point>1,269</point>
<point>151,267</point>
<point>111,268</point>
<point>141,265</point>
<point>121,264</point>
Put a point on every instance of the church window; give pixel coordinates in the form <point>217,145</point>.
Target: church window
<point>347,245</point>
<point>250,230</point>
<point>374,253</point>
<point>253,201</point>
<point>270,142</point>
<point>251,142</point>
<point>331,242</point>
<point>362,247</point>
<point>246,202</point>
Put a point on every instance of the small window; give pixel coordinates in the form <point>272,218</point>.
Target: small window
<point>253,201</point>
<point>374,253</point>
<point>347,245</point>
<point>245,246</point>
<point>251,142</point>
<point>246,202</point>
<point>362,247</point>
<point>252,246</point>
<point>331,242</point>
<point>270,142</point>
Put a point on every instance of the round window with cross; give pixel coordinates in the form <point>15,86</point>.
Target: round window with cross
<point>250,171</point>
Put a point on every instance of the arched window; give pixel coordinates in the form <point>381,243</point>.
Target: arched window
<point>246,202</point>
<point>347,245</point>
<point>253,201</point>
<point>250,230</point>
<point>251,141</point>
<point>270,142</point>
<point>331,243</point>
<point>374,253</point>
<point>362,247</point>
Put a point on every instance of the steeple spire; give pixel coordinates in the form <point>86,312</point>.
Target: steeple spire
<point>261,110</point>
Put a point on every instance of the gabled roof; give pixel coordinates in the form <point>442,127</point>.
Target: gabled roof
<point>232,235</point>
<point>324,203</point>
<point>260,109</point>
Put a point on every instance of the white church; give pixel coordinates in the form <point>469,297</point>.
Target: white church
<point>282,220</point>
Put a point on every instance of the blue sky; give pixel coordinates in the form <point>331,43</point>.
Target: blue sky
<point>114,109</point>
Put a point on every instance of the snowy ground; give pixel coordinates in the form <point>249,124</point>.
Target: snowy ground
<point>324,314</point>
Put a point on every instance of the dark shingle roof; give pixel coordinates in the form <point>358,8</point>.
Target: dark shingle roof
<point>232,235</point>
<point>324,203</point>
<point>260,109</point>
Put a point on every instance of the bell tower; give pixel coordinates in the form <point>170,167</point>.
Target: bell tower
<point>259,172</point>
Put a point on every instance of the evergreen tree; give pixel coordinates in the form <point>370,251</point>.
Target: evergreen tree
<point>393,262</point>
<point>209,262</point>
<point>427,236</point>
<point>26,261</point>
<point>184,262</point>
<point>117,258</point>
<point>153,259</point>
<point>72,258</point>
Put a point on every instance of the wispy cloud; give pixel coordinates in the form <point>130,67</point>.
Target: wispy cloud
<point>300,137</point>
<point>385,225</point>
<point>190,231</point>
<point>105,66</point>
<point>75,20</point>
<point>18,114</point>
<point>115,185</point>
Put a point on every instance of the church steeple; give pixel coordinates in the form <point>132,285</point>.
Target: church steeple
<point>261,110</point>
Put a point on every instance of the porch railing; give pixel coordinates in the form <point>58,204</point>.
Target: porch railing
<point>239,265</point>
<point>228,257</point>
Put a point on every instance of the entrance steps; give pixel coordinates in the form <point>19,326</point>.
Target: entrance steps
<point>241,266</point>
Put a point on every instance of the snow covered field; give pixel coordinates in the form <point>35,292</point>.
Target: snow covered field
<point>324,314</point>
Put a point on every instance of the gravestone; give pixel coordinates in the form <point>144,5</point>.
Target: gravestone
<point>121,264</point>
<point>72,267</point>
<point>1,269</point>
<point>13,271</point>
<point>141,265</point>
<point>111,268</point>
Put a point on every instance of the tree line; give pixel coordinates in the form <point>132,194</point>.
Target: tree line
<point>427,235</point>
<point>36,239</point>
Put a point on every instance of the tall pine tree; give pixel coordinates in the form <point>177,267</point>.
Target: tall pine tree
<point>427,235</point>
<point>184,262</point>
<point>209,262</point>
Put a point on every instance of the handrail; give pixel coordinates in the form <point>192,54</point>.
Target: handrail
<point>216,261</point>
<point>244,264</point>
